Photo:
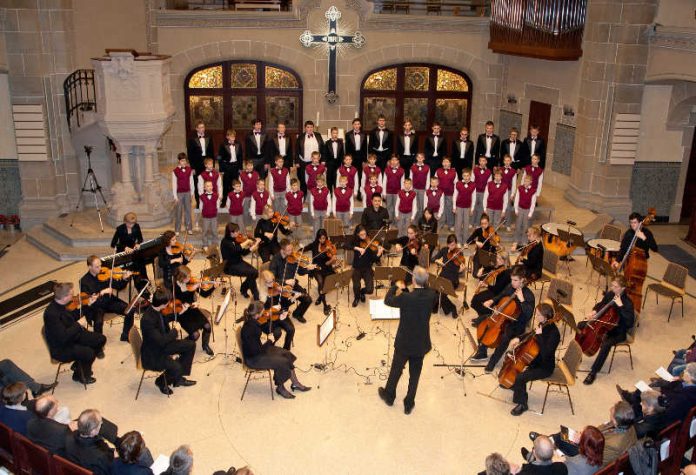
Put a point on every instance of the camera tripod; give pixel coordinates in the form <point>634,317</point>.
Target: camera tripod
<point>91,185</point>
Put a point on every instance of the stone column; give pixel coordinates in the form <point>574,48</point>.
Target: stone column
<point>615,53</point>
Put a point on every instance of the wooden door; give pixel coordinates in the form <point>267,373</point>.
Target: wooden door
<point>540,115</point>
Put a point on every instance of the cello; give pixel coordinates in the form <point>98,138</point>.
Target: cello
<point>490,331</point>
<point>592,333</point>
<point>635,265</point>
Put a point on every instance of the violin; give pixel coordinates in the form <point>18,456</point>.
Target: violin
<point>525,252</point>
<point>194,284</point>
<point>77,301</point>
<point>491,236</point>
<point>489,279</point>
<point>106,273</point>
<point>299,259</point>
<point>175,306</point>
<point>456,257</point>
<point>187,250</point>
<point>372,245</point>
<point>285,291</point>
<point>414,245</point>
<point>490,331</point>
<point>272,314</point>
<point>242,238</point>
<point>328,248</point>
<point>280,219</point>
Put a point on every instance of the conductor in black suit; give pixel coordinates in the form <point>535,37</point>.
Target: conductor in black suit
<point>412,341</point>
<point>488,145</point>
<point>160,343</point>
<point>199,146</point>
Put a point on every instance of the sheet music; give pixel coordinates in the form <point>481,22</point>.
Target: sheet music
<point>642,386</point>
<point>380,311</point>
<point>326,328</point>
<point>664,374</point>
<point>161,464</point>
<point>223,307</point>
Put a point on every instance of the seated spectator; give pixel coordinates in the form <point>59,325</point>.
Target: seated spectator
<point>620,433</point>
<point>12,413</point>
<point>234,471</point>
<point>542,455</point>
<point>590,453</point>
<point>86,448</point>
<point>44,430</point>
<point>131,452</point>
<point>654,417</point>
<point>681,359</point>
<point>180,462</point>
<point>11,373</point>
<point>497,465</point>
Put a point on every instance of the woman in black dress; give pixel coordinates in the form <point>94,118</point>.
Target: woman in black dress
<point>170,259</point>
<point>267,231</point>
<point>324,256</point>
<point>485,239</point>
<point>128,238</point>
<point>267,356</point>
<point>194,320</point>
<point>409,246</point>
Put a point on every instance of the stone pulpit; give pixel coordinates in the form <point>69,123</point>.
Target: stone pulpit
<point>135,109</point>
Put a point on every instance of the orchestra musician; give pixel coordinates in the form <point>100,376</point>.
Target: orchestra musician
<point>452,263</point>
<point>486,240</point>
<point>103,291</point>
<point>267,356</point>
<point>365,253</point>
<point>324,257</point>
<point>275,299</point>
<point>547,338</point>
<point>617,335</point>
<point>524,298</point>
<point>233,247</point>
<point>160,343</point>
<point>409,246</point>
<point>492,281</point>
<point>532,254</point>
<point>267,229</point>
<point>128,238</point>
<point>427,222</point>
<point>193,319</point>
<point>286,266</point>
<point>170,257</point>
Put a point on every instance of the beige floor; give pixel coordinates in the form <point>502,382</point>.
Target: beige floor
<point>341,426</point>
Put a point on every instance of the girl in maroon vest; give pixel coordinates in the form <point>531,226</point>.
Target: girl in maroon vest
<point>510,180</point>
<point>447,177</point>
<point>369,169</point>
<point>482,175</point>
<point>313,170</point>
<point>536,172</point>
<point>295,202</point>
<point>405,207</point>
<point>496,198</point>
<point>420,174</point>
<point>279,183</point>
<point>464,199</point>
<point>393,181</point>
<point>435,198</point>
<point>342,202</point>
<point>248,178</point>
<point>208,204</point>
<point>210,174</point>
<point>350,172</point>
<point>260,198</point>
<point>319,203</point>
<point>235,204</point>
<point>372,188</point>
<point>183,189</point>
<point>525,202</point>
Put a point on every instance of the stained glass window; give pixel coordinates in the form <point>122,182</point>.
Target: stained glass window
<point>416,78</point>
<point>277,78</point>
<point>207,78</point>
<point>449,81</point>
<point>209,109</point>
<point>416,110</point>
<point>373,107</point>
<point>244,76</point>
<point>384,80</point>
<point>243,111</point>
<point>283,109</point>
<point>451,113</point>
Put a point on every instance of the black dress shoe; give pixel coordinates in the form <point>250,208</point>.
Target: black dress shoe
<point>489,368</point>
<point>408,408</point>
<point>300,319</point>
<point>184,382</point>
<point>86,380</point>
<point>245,294</point>
<point>385,397</point>
<point>479,356</point>
<point>519,409</point>
<point>327,309</point>
<point>525,453</point>
<point>208,350</point>
<point>124,337</point>
<point>44,388</point>
<point>362,297</point>
<point>356,301</point>
<point>625,395</point>
<point>589,379</point>
<point>299,387</point>
<point>284,392</point>
<point>101,355</point>
<point>318,300</point>
<point>533,435</point>
<point>164,389</point>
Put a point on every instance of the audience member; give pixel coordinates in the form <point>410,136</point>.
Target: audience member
<point>44,429</point>
<point>86,448</point>
<point>180,462</point>
<point>11,373</point>
<point>542,455</point>
<point>591,450</point>
<point>654,417</point>
<point>133,456</point>
<point>497,465</point>
<point>12,413</point>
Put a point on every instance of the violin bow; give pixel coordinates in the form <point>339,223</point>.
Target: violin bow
<point>278,223</point>
<point>111,274</point>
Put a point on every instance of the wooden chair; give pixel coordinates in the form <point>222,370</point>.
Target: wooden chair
<point>625,346</point>
<point>7,458</point>
<point>672,286</point>
<point>249,372</point>
<point>433,6</point>
<point>549,271</point>
<point>609,231</point>
<point>623,465</point>
<point>687,438</point>
<point>62,466</point>
<point>59,363</point>
<point>334,227</point>
<point>667,443</point>
<point>30,458</point>
<point>136,343</point>
<point>561,293</point>
<point>564,375</point>
<point>602,268</point>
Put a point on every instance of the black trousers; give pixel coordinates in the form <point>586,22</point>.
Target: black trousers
<point>331,169</point>
<point>276,328</point>
<point>366,274</point>
<point>268,250</point>
<point>519,389</point>
<point>231,173</point>
<point>110,304</point>
<point>303,301</point>
<point>196,323</point>
<point>301,177</point>
<point>405,162</point>
<point>278,359</point>
<point>508,334</point>
<point>382,158</point>
<point>608,343</point>
<point>83,351</point>
<point>477,303</point>
<point>415,365</point>
<point>176,369</point>
<point>434,163</point>
<point>259,166</point>
<point>244,269</point>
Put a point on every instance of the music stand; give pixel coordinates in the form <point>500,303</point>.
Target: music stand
<point>486,258</point>
<point>222,314</point>
<point>324,331</point>
<point>441,286</point>
<point>460,369</point>
<point>391,274</point>
<point>335,282</point>
<point>431,239</point>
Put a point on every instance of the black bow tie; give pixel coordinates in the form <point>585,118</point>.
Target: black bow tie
<point>489,136</point>
<point>280,136</point>
<point>309,136</point>
<point>201,136</point>
<point>436,135</point>
<point>257,133</point>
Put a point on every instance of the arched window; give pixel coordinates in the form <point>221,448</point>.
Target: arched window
<point>423,93</point>
<point>231,94</point>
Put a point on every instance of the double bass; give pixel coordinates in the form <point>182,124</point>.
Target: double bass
<point>592,333</point>
<point>635,265</point>
<point>490,331</point>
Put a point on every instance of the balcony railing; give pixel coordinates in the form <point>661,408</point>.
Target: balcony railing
<point>80,95</point>
<point>434,7</point>
<point>239,5</point>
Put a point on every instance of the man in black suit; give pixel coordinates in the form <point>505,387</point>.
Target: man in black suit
<point>44,430</point>
<point>534,143</point>
<point>307,142</point>
<point>86,448</point>
<point>230,157</point>
<point>435,148</point>
<point>462,154</point>
<point>333,154</point>
<point>279,144</point>
<point>68,340</point>
<point>160,343</point>
<point>356,146</point>
<point>513,147</point>
<point>198,147</point>
<point>407,148</point>
<point>255,147</point>
<point>488,145</point>
<point>381,142</point>
<point>412,341</point>
<point>542,454</point>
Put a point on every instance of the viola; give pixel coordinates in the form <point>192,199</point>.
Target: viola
<point>328,248</point>
<point>456,257</point>
<point>117,273</point>
<point>372,245</point>
<point>187,250</point>
<point>272,314</point>
<point>194,284</point>
<point>175,306</point>
<point>491,236</point>
<point>525,252</point>
<point>414,245</point>
<point>280,219</point>
<point>285,291</point>
<point>242,238</point>
<point>489,279</point>
<point>299,259</point>
<point>591,335</point>
<point>490,331</point>
<point>77,301</point>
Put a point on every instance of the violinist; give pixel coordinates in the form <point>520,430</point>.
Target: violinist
<point>103,299</point>
<point>484,238</point>
<point>524,300</point>
<point>366,252</point>
<point>128,238</point>
<point>324,256</point>
<point>267,356</point>
<point>193,319</point>
<point>617,335</point>
<point>492,281</point>
<point>276,299</point>
<point>452,262</point>
<point>267,229</point>
<point>547,338</point>
<point>409,246</point>
<point>171,257</point>
<point>532,254</point>
<point>233,247</point>
<point>286,266</point>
